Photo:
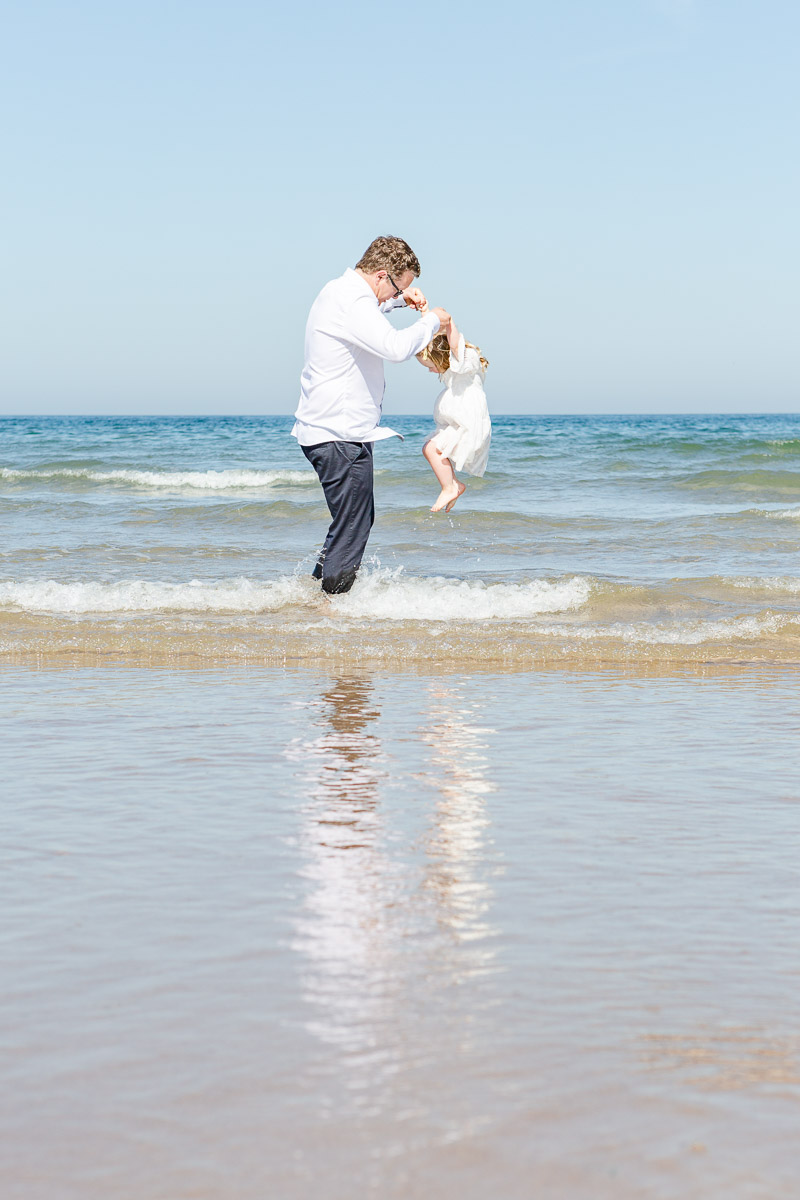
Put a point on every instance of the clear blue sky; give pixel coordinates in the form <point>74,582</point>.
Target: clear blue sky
<point>605,195</point>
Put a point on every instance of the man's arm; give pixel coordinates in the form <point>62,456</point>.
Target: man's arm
<point>412,297</point>
<point>365,326</point>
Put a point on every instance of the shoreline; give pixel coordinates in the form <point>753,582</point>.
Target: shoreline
<point>70,658</point>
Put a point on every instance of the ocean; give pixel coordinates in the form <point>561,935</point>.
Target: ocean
<point>482,878</point>
<point>590,539</point>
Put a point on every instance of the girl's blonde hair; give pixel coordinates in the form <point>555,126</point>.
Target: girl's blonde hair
<point>437,351</point>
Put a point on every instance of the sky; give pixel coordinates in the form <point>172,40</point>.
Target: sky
<point>605,196</point>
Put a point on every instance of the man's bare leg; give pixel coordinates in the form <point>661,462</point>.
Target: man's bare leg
<point>443,470</point>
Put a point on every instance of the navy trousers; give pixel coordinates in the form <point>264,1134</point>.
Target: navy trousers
<point>345,472</point>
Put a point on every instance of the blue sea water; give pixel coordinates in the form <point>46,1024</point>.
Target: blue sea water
<point>634,537</point>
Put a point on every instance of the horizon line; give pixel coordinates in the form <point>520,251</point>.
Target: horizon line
<point>401,416</point>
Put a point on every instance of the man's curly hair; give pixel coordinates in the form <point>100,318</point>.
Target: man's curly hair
<point>389,254</point>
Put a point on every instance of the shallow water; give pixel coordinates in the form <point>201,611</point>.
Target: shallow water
<point>636,540</point>
<point>300,933</point>
<point>479,880</point>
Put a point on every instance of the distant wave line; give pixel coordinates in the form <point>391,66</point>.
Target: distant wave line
<point>227,480</point>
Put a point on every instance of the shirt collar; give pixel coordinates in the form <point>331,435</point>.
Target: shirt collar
<point>362,281</point>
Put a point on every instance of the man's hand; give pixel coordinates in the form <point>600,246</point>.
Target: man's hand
<point>444,317</point>
<point>415,299</point>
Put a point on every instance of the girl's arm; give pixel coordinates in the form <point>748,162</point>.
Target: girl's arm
<point>469,362</point>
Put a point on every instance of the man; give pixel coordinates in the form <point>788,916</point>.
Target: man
<point>341,391</point>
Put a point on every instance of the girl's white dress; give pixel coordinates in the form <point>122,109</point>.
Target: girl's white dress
<point>463,428</point>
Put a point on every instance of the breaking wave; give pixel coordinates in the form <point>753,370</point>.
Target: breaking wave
<point>380,594</point>
<point>680,633</point>
<point>216,481</point>
<point>390,616</point>
<point>788,584</point>
<point>395,596</point>
<point>144,596</point>
<point>786,514</point>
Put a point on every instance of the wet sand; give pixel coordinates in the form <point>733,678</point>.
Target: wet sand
<point>331,933</point>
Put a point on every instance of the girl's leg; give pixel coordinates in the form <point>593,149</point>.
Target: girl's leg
<point>443,470</point>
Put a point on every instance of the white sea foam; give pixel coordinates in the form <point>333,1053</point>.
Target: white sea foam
<point>783,514</point>
<point>217,481</point>
<point>395,596</point>
<point>682,633</point>
<point>789,584</point>
<point>379,594</point>
<point>141,596</point>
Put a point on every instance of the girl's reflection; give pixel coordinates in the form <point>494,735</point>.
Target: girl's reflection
<point>456,840</point>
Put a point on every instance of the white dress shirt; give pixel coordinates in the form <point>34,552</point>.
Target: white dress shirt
<point>347,339</point>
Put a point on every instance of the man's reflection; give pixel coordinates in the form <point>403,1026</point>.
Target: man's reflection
<point>341,931</point>
<point>348,754</point>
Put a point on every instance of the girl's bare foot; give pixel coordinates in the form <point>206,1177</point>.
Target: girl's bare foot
<point>448,496</point>
<point>461,486</point>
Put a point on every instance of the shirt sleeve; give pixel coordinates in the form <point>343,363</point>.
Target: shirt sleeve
<point>365,326</point>
<point>395,302</point>
<point>465,360</point>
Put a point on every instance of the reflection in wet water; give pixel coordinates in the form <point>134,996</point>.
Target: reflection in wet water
<point>395,920</point>
<point>455,841</point>
<point>585,987</point>
<point>342,930</point>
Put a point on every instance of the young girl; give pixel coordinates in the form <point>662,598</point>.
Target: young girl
<point>463,428</point>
